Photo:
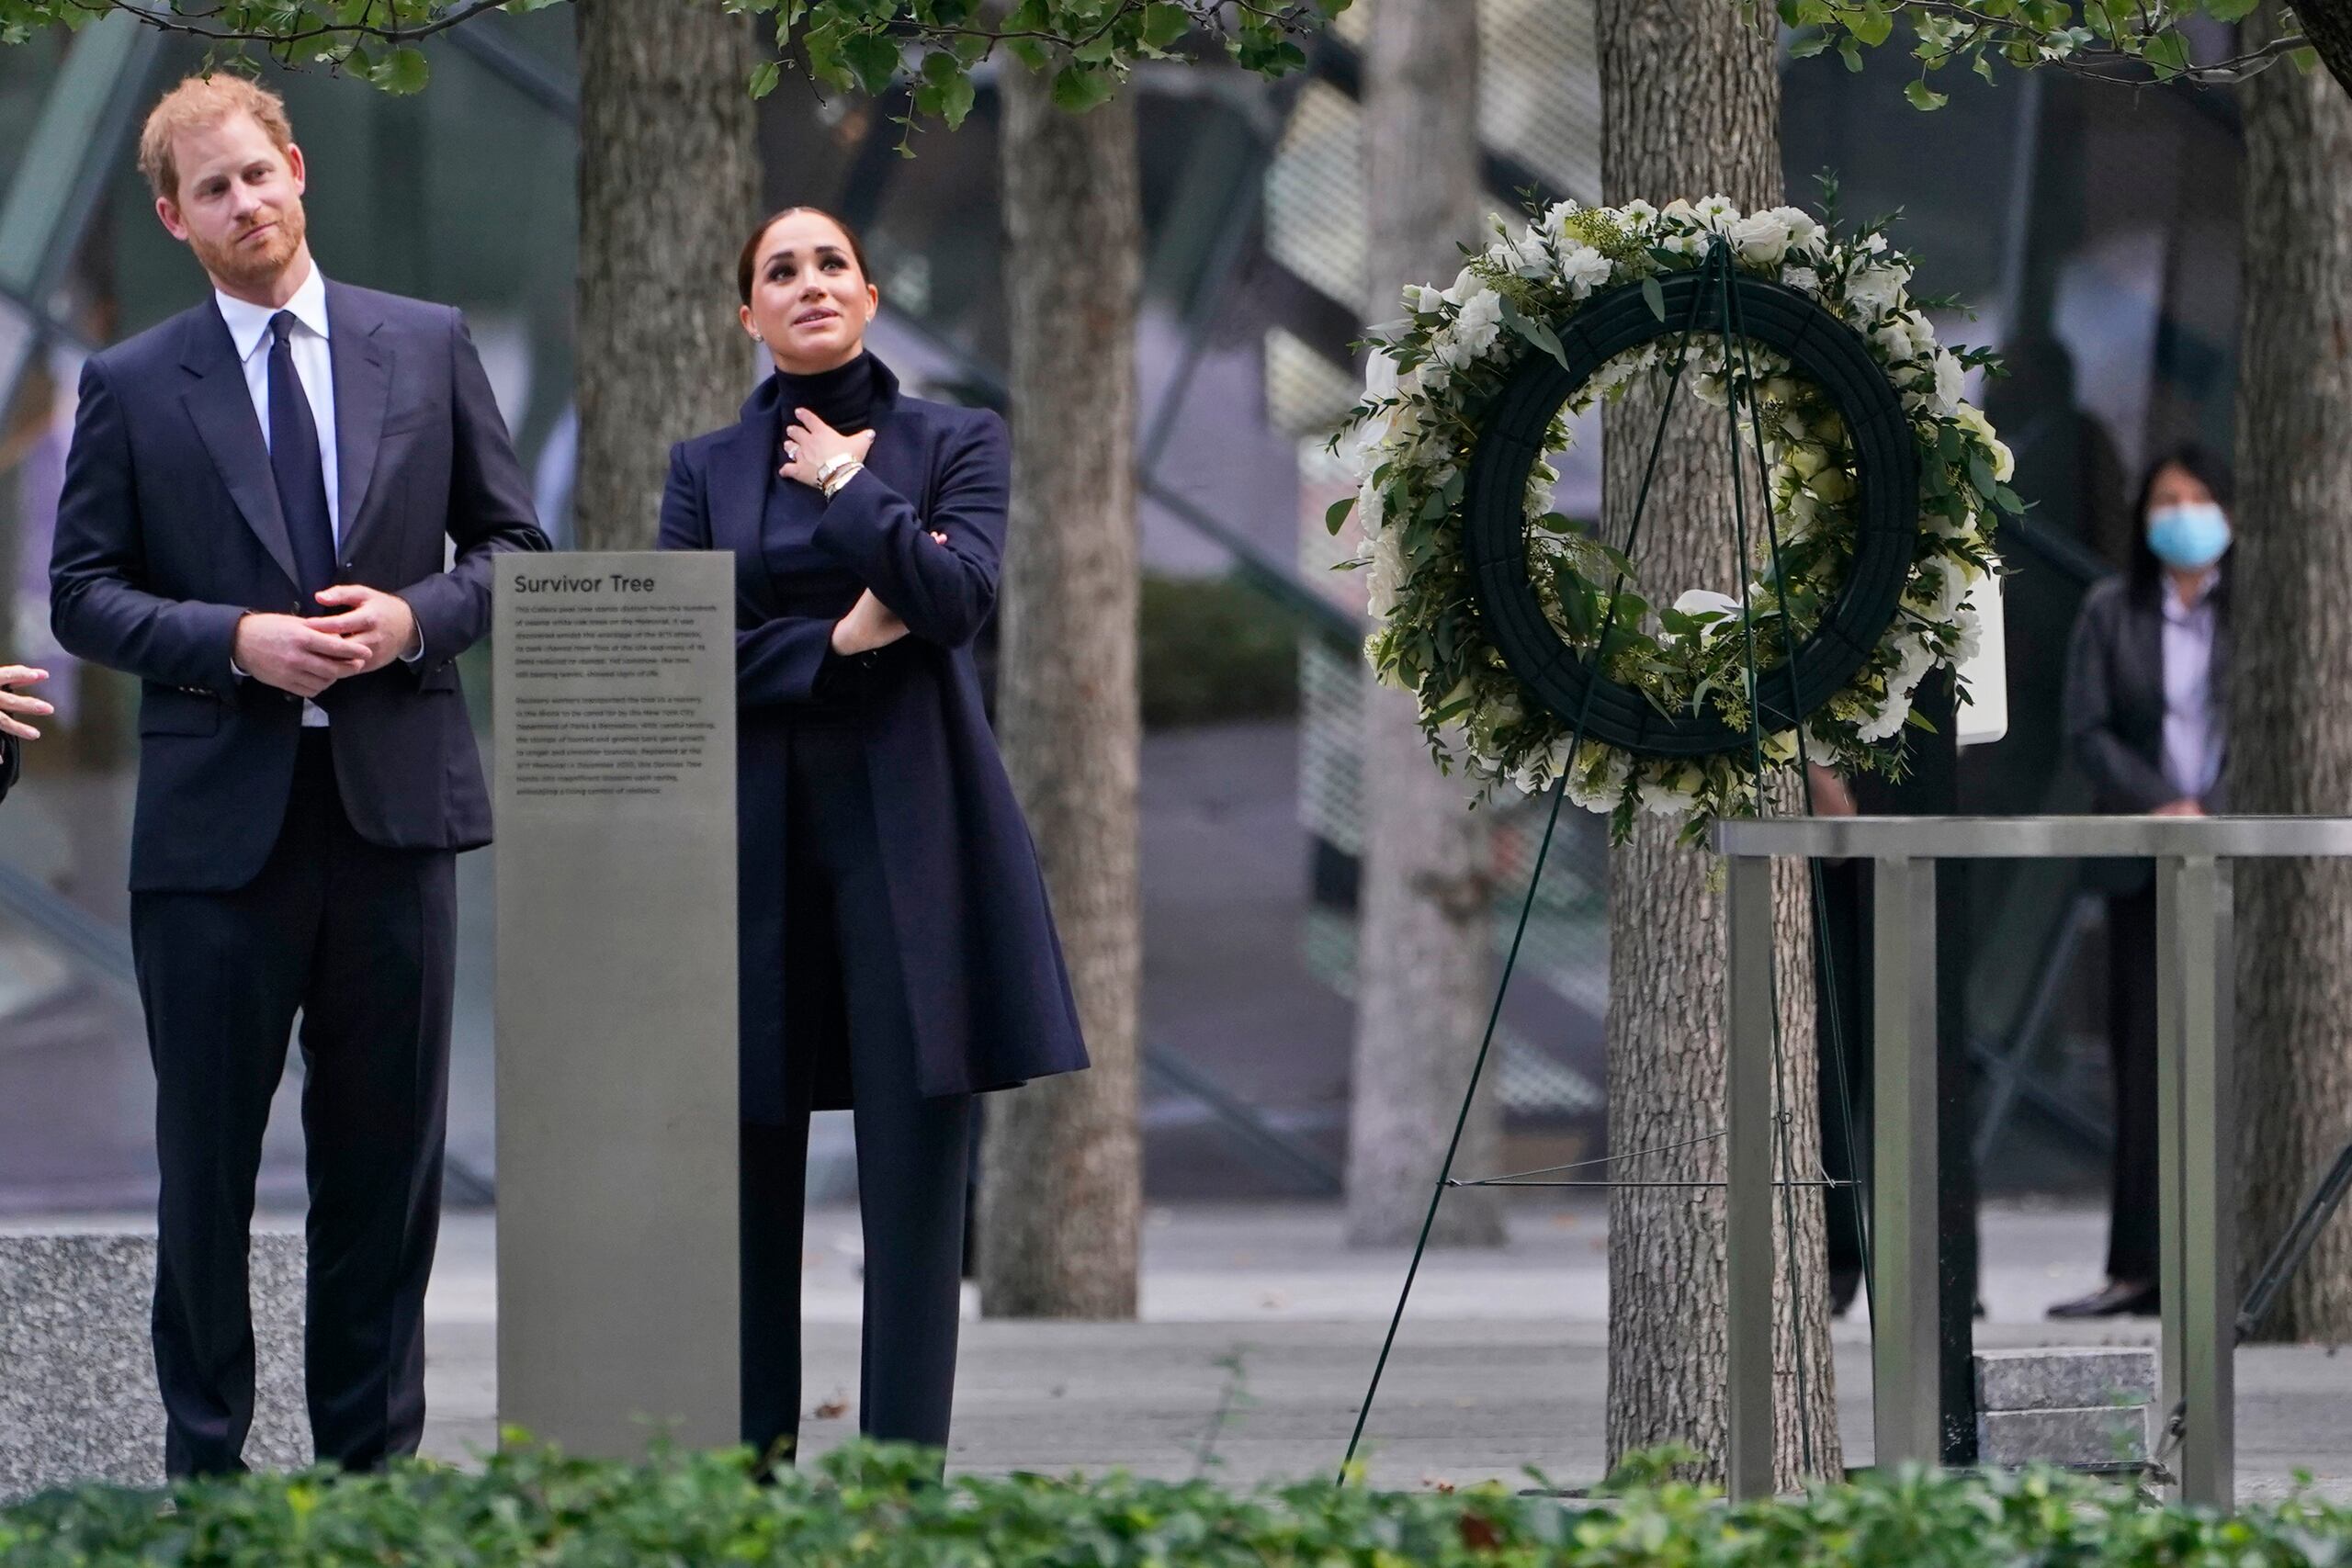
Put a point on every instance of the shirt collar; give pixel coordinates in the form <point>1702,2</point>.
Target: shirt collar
<point>249,324</point>
<point>2178,613</point>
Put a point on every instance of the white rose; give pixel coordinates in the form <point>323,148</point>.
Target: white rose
<point>1971,419</point>
<point>1681,211</point>
<point>1421,300</point>
<point>1465,284</point>
<point>1597,777</point>
<point>1372,509</point>
<point>1476,328</point>
<point>1671,793</point>
<point>1889,719</point>
<point>1971,640</point>
<point>1805,235</point>
<point>1878,289</point>
<point>1761,237</point>
<point>1951,381</point>
<point>1584,269</point>
<point>1894,340</point>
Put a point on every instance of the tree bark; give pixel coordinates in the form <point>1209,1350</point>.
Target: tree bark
<point>2327,25</point>
<point>1424,969</point>
<point>1691,107</point>
<point>2290,731</point>
<point>1062,1197</point>
<point>669,184</point>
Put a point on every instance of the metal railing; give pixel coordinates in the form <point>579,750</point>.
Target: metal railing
<point>2195,1108</point>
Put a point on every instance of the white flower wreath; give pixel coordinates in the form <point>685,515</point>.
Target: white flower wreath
<point>1433,379</point>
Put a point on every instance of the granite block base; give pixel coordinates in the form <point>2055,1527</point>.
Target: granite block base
<point>2096,1436</point>
<point>77,1374</point>
<point>2072,1378</point>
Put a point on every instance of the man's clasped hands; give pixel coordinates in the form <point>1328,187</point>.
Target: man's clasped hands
<point>306,654</point>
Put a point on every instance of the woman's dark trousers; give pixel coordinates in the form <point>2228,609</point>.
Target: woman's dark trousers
<point>843,981</point>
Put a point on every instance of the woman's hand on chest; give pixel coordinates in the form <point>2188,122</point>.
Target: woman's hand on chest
<point>809,442</point>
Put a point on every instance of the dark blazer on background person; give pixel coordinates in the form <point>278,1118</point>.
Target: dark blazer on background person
<point>11,759</point>
<point>2115,694</point>
<point>166,434</point>
<point>2114,707</point>
<point>987,992</point>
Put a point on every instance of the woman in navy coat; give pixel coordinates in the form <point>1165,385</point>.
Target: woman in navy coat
<point>897,955</point>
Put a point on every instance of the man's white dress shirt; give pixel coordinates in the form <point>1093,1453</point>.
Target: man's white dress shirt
<point>249,331</point>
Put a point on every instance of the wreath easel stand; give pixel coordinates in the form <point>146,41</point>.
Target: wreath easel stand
<point>1740,309</point>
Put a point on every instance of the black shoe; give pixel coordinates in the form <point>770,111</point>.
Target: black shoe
<point>2116,1298</point>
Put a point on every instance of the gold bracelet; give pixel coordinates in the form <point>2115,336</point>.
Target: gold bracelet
<point>833,483</point>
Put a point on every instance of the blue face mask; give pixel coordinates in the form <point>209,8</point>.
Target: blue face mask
<point>2190,535</point>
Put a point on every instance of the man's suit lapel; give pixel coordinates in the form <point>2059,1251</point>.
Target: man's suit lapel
<point>363,384</point>
<point>223,411</point>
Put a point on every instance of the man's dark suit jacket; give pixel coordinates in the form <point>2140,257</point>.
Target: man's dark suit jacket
<point>11,757</point>
<point>168,530</point>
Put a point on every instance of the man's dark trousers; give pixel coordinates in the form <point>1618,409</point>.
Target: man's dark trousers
<point>360,940</point>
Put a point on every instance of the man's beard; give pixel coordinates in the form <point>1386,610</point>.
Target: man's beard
<point>251,265</point>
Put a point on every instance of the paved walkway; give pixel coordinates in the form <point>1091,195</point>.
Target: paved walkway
<point>1501,1364</point>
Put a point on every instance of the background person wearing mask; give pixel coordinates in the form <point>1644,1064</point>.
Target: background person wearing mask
<point>2144,719</point>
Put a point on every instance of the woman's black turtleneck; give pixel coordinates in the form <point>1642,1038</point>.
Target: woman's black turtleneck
<point>809,581</point>
<point>842,397</point>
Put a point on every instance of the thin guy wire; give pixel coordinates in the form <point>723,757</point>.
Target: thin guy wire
<point>1608,1159</point>
<point>1527,907</point>
<point>1813,864</point>
<point>1823,1182</point>
<point>1720,259</point>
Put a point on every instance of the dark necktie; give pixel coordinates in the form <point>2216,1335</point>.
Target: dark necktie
<point>294,461</point>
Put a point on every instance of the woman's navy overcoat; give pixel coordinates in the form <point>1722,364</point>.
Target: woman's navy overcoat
<point>986,990</point>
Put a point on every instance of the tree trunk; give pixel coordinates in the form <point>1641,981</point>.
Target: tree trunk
<point>2290,733</point>
<point>1424,974</point>
<point>2327,24</point>
<point>669,184</point>
<point>1061,1202</point>
<point>1690,107</point>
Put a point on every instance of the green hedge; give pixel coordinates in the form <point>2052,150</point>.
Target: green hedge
<point>871,1505</point>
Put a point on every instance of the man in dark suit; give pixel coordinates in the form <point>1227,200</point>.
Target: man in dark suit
<point>14,730</point>
<point>253,521</point>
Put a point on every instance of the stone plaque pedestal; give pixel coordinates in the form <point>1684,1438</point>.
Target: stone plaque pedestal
<point>614,696</point>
